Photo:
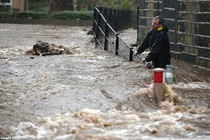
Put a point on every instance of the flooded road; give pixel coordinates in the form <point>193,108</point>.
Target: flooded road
<point>92,94</point>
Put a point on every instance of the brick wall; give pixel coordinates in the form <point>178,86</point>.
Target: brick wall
<point>19,5</point>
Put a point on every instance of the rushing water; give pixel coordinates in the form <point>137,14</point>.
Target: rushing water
<point>91,94</point>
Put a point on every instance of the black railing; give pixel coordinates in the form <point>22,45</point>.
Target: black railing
<point>108,39</point>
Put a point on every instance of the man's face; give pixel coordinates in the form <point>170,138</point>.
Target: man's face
<point>155,24</point>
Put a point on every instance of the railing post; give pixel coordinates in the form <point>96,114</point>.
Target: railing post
<point>97,30</point>
<point>94,20</point>
<point>117,44</point>
<point>137,40</point>
<point>105,37</point>
<point>131,54</point>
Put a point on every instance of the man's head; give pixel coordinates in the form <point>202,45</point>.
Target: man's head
<point>157,22</point>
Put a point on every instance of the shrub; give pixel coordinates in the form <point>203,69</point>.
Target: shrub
<point>6,15</point>
<point>63,15</point>
<point>72,15</point>
<point>33,15</point>
<point>125,4</point>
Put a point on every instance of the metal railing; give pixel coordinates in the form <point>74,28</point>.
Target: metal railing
<point>108,39</point>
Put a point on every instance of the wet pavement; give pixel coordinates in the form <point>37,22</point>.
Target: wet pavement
<point>92,94</point>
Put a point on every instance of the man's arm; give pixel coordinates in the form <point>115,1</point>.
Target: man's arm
<point>144,45</point>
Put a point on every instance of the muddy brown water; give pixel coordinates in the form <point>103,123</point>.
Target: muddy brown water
<point>92,94</point>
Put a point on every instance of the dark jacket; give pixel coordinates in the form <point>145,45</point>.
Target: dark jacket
<point>158,43</point>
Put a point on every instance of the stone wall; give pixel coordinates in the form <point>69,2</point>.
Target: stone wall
<point>189,24</point>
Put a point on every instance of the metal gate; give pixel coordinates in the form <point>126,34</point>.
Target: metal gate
<point>107,37</point>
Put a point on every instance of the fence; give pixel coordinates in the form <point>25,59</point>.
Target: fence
<point>106,37</point>
<point>188,22</point>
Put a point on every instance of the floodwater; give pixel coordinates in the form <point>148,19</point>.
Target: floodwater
<point>92,94</point>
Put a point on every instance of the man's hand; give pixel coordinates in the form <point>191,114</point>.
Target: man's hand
<point>135,52</point>
<point>143,60</point>
<point>147,64</point>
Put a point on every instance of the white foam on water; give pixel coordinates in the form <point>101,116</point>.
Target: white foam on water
<point>192,85</point>
<point>86,77</point>
<point>113,124</point>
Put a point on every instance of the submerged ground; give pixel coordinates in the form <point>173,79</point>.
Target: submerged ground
<point>92,94</point>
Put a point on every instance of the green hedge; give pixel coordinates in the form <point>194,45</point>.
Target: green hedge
<point>32,15</point>
<point>63,15</point>
<point>6,15</point>
<point>72,15</point>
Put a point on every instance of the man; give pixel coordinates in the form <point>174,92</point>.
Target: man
<point>158,42</point>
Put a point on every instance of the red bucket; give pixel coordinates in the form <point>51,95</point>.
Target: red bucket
<point>159,75</point>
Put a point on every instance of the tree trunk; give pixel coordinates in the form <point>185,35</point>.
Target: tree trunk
<point>57,5</point>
